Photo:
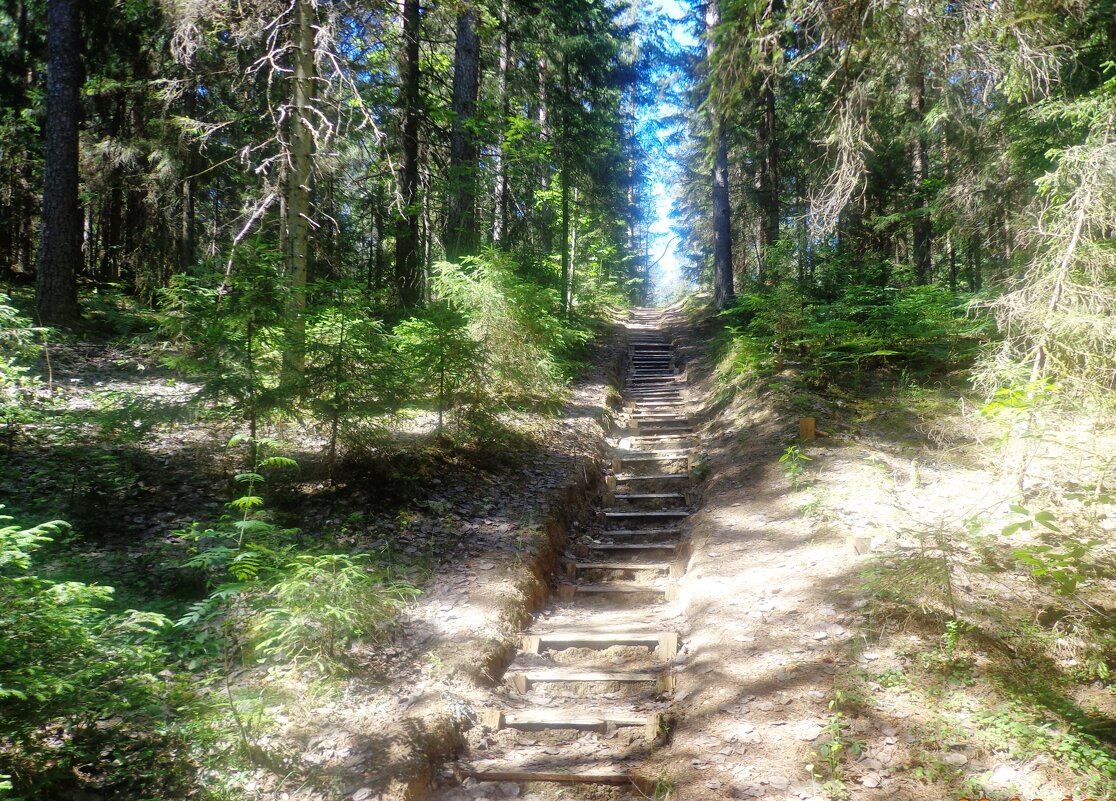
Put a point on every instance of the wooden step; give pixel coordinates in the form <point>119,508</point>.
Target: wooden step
<point>656,514</point>
<point>658,567</point>
<point>598,720</point>
<point>624,477</point>
<point>650,496</point>
<point>672,570</point>
<point>652,456</point>
<point>565,773</point>
<point>521,680</point>
<point>663,643</point>
<point>635,548</point>
<point>568,592</point>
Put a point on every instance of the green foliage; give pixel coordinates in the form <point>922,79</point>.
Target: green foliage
<point>833,749</point>
<point>513,321</point>
<point>22,394</point>
<point>1067,564</point>
<point>231,330</point>
<point>860,326</point>
<point>352,375</point>
<point>300,608</point>
<point>320,603</point>
<point>441,360</point>
<point>65,664</point>
<point>794,461</point>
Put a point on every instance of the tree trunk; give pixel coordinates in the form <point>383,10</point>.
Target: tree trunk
<point>546,216</point>
<point>300,175</point>
<point>408,271</point>
<point>378,258</point>
<point>59,254</point>
<point>723,294</point>
<point>299,181</point>
<point>564,177</point>
<point>461,221</point>
<point>921,229</point>
<point>768,181</point>
<point>500,201</point>
<point>188,235</point>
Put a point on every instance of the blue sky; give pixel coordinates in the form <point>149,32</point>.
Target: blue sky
<point>666,273</point>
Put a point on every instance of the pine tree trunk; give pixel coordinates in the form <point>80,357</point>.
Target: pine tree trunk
<point>59,254</point>
<point>378,258</point>
<point>188,235</point>
<point>564,177</point>
<point>461,222</point>
<point>300,176</point>
<point>408,270</point>
<point>546,216</point>
<point>500,201</point>
<point>723,294</point>
<point>299,181</point>
<point>768,181</point>
<point>921,229</point>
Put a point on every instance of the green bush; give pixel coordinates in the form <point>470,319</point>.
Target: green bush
<point>78,684</point>
<point>320,603</point>
<point>862,326</point>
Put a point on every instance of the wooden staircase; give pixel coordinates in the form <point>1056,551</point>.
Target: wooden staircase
<point>585,694</point>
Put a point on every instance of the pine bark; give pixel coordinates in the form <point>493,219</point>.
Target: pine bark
<point>462,233</point>
<point>564,178</point>
<point>502,193</point>
<point>723,294</point>
<point>921,228</point>
<point>59,253</point>
<point>300,175</point>
<point>408,270</point>
<point>768,182</point>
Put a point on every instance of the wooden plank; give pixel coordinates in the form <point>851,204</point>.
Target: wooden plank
<point>493,719</point>
<point>650,496</point>
<point>572,638</point>
<point>660,567</point>
<point>561,718</point>
<point>635,547</point>
<point>559,676</point>
<point>647,532</point>
<point>611,588</point>
<point>518,775</point>
<point>623,477</point>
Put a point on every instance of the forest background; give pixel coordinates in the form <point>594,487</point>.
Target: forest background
<point>361,219</point>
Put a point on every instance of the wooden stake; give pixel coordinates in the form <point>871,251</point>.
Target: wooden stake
<point>493,719</point>
<point>668,646</point>
<point>807,428</point>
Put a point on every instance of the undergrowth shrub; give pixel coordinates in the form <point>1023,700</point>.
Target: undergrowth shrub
<point>80,694</point>
<point>230,331</point>
<point>296,608</point>
<point>863,326</point>
<point>321,603</point>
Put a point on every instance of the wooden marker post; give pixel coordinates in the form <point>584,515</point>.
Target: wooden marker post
<point>807,428</point>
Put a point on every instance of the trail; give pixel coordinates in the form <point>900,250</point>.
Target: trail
<point>583,700</point>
